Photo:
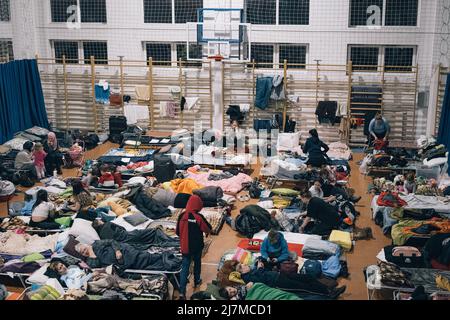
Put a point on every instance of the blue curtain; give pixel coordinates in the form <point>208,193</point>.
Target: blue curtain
<point>22,103</point>
<point>444,126</point>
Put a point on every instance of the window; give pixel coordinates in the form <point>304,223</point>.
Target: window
<point>390,12</point>
<point>5,14</point>
<point>364,56</point>
<point>261,11</point>
<point>186,10</point>
<point>262,53</point>
<point>67,48</point>
<point>74,49</point>
<point>91,11</point>
<point>295,54</point>
<point>195,52</point>
<point>396,57</point>
<point>99,50</point>
<point>158,11</point>
<point>59,9</point>
<point>159,52</point>
<point>294,12</point>
<point>401,12</point>
<point>6,50</point>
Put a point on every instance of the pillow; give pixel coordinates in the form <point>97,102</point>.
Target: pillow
<point>83,228</point>
<point>288,141</point>
<point>39,277</point>
<point>33,257</point>
<point>435,162</point>
<point>136,219</point>
<point>69,248</point>
<point>137,180</point>
<point>285,192</point>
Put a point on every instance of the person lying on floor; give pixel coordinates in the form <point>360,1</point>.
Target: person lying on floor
<point>140,239</point>
<point>291,282</point>
<point>177,200</point>
<point>103,253</point>
<point>255,291</point>
<point>326,217</point>
<point>43,213</point>
<point>71,276</point>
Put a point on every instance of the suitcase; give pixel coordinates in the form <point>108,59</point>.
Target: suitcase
<point>164,168</point>
<point>117,125</point>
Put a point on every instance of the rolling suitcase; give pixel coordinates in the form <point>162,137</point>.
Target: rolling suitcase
<point>117,125</point>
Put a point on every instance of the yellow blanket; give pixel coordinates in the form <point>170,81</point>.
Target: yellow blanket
<point>185,186</point>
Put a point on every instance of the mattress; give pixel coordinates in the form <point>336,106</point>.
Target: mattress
<point>296,238</point>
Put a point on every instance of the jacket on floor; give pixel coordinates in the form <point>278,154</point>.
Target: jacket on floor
<point>191,225</point>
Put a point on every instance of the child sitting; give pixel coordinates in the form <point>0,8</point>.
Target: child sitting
<point>39,156</point>
<point>107,178</point>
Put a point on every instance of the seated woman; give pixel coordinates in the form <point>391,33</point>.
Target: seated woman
<point>43,213</point>
<point>83,199</point>
<point>274,249</point>
<point>258,291</point>
<point>54,159</point>
<point>142,239</point>
<point>103,253</point>
<point>316,150</point>
<point>24,159</point>
<point>291,282</point>
<point>316,191</point>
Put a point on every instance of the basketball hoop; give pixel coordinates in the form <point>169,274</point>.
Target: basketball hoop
<point>217,58</point>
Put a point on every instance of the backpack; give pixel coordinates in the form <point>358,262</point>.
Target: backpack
<point>21,178</point>
<point>247,225</point>
<point>7,189</point>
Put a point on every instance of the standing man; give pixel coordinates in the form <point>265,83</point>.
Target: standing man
<point>190,228</point>
<point>326,217</point>
<point>379,128</point>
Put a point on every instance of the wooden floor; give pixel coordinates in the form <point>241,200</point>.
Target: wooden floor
<point>363,254</point>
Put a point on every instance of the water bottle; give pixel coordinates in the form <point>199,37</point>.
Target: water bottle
<point>55,174</point>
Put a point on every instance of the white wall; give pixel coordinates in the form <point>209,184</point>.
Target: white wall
<point>327,35</point>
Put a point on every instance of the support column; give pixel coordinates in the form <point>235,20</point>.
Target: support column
<point>217,98</point>
<point>24,15</point>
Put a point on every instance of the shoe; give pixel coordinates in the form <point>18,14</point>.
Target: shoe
<point>198,284</point>
<point>355,199</point>
<point>182,297</point>
<point>337,292</point>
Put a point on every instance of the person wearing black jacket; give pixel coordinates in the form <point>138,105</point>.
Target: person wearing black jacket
<point>326,217</point>
<point>316,150</point>
<point>140,239</point>
<point>190,228</point>
<point>288,282</point>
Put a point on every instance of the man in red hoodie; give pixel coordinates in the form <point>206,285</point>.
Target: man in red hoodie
<point>190,228</point>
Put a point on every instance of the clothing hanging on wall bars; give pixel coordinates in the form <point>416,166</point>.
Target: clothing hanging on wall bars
<point>326,111</point>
